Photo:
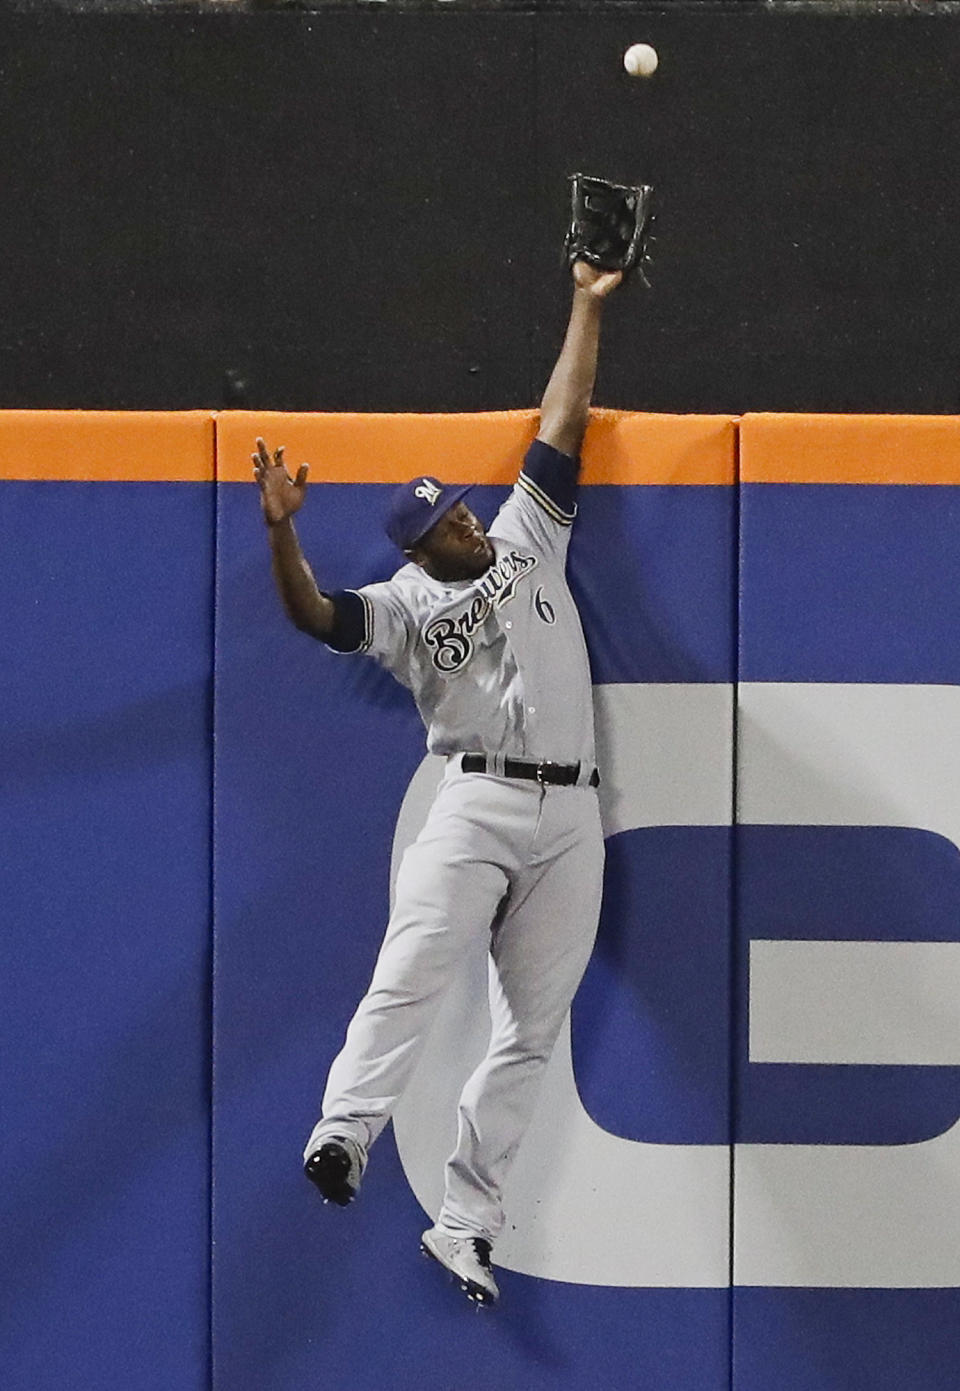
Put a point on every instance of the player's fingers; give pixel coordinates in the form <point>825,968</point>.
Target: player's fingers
<point>301,477</point>
<point>278,459</point>
<point>262,451</point>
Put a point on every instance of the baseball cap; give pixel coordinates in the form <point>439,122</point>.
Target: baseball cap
<point>417,505</point>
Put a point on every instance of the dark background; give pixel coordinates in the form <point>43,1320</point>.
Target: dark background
<point>363,209</point>
<point>357,208</point>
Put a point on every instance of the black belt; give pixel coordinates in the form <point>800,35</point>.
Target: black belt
<point>560,774</point>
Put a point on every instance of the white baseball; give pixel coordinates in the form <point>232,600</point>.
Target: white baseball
<point>640,60</point>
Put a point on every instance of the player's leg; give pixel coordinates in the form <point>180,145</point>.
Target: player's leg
<point>538,955</point>
<point>450,884</point>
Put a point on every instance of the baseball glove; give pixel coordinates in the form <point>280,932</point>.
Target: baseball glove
<point>609,224</point>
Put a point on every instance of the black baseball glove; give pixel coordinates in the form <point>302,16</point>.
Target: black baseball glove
<point>609,224</point>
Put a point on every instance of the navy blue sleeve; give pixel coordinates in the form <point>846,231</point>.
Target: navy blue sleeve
<point>551,479</point>
<point>350,631</point>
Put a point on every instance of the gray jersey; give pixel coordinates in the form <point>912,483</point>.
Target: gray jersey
<point>496,665</point>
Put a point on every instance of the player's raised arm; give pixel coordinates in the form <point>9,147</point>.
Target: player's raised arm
<point>565,407</point>
<point>280,497</point>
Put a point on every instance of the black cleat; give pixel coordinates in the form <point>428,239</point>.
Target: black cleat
<point>335,1169</point>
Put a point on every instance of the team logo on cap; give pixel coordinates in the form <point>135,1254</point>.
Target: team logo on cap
<point>428,491</point>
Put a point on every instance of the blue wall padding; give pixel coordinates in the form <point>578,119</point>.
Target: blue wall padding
<point>314,754</point>
<point>653,570</point>
<point>845,1340</point>
<point>850,583</point>
<point>105,887</point>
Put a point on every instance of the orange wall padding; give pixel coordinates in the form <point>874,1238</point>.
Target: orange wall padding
<point>182,446</point>
<point>850,449</point>
<point>107,446</point>
<point>621,446</point>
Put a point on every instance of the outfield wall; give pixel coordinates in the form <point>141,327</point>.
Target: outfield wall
<point>202,808</point>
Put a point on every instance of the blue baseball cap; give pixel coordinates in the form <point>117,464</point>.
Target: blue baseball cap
<point>416,506</point>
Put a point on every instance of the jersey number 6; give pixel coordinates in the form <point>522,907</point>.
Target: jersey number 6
<point>544,607</point>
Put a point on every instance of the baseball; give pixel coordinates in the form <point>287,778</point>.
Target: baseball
<point>640,60</point>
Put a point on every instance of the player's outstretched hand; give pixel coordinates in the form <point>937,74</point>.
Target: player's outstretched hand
<point>280,495</point>
<point>597,283</point>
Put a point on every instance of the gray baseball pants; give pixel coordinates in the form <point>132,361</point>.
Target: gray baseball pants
<point>524,864</point>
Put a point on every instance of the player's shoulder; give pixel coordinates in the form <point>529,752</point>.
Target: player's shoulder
<point>396,594</point>
<point>407,576</point>
<point>401,582</point>
<point>511,533</point>
<point>507,540</point>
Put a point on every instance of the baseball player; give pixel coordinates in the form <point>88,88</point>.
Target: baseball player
<point>482,629</point>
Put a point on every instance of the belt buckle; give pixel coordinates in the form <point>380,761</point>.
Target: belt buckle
<point>540,771</point>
